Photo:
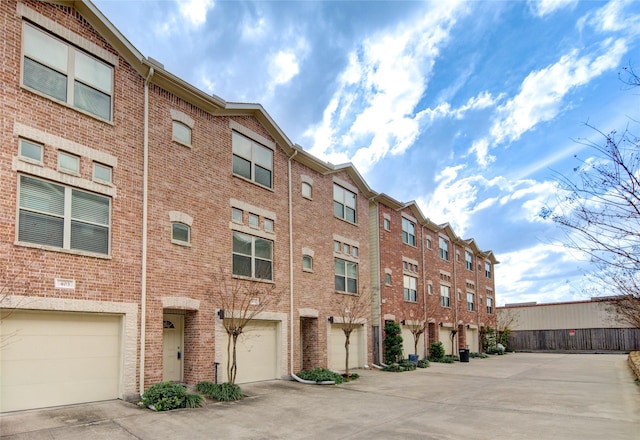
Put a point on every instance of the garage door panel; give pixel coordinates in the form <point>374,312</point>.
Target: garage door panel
<point>337,351</point>
<point>257,352</point>
<point>59,358</point>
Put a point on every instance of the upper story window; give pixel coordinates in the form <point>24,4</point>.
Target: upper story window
<point>410,289</point>
<point>428,242</point>
<point>181,133</point>
<point>468,258</point>
<point>31,150</point>
<point>408,232</point>
<point>307,190</point>
<point>307,263</point>
<point>252,160</point>
<point>180,233</point>
<point>68,162</point>
<point>64,73</point>
<point>470,302</point>
<point>346,276</point>
<point>489,305</point>
<point>63,217</point>
<point>444,248</point>
<point>102,173</point>
<point>344,204</point>
<point>445,296</point>
<point>387,279</point>
<point>487,269</point>
<point>386,224</point>
<point>252,257</point>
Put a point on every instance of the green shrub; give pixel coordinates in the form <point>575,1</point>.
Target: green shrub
<point>436,350</point>
<point>496,350</point>
<point>165,396</point>
<point>392,343</point>
<point>423,363</point>
<point>321,375</point>
<point>478,355</point>
<point>224,392</point>
<point>398,367</point>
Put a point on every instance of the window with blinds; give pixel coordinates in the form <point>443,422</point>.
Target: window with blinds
<point>64,73</point>
<point>59,216</point>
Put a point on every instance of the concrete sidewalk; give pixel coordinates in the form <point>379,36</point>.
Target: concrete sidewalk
<point>523,395</point>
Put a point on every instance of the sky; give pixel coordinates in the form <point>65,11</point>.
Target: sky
<point>471,109</point>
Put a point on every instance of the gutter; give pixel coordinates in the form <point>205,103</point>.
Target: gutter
<point>145,232</point>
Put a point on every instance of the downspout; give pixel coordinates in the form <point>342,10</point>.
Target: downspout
<point>291,264</point>
<point>380,317</point>
<point>475,266</point>
<point>455,299</point>
<point>425,334</point>
<point>145,203</point>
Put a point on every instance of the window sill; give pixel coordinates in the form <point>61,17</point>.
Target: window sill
<point>63,251</point>
<point>257,280</point>
<point>345,220</point>
<point>69,106</point>
<point>183,144</point>
<point>238,176</point>
<point>181,243</point>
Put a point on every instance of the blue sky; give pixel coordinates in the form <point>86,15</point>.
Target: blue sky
<point>468,108</point>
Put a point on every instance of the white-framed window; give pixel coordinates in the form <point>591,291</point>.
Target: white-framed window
<point>489,305</point>
<point>428,242</point>
<point>252,160</point>
<point>354,251</point>
<point>387,279</point>
<point>344,204</point>
<point>268,225</point>
<point>487,269</point>
<point>408,232</point>
<point>180,233</point>
<point>69,163</point>
<point>470,302</point>
<point>445,296</point>
<point>181,133</point>
<point>236,215</point>
<point>31,150</point>
<point>307,190</point>
<point>102,173</point>
<point>346,276</point>
<point>410,289</point>
<point>254,220</point>
<point>430,288</point>
<point>468,258</point>
<point>60,216</point>
<point>307,263</point>
<point>252,257</point>
<point>444,248</point>
<point>386,224</point>
<point>63,72</point>
<point>337,246</point>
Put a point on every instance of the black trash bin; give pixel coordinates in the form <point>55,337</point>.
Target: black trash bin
<point>413,358</point>
<point>464,355</point>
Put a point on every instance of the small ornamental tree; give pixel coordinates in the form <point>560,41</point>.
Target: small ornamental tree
<point>392,342</point>
<point>241,301</point>
<point>351,312</point>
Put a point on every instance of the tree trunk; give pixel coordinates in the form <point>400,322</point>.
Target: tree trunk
<point>346,347</point>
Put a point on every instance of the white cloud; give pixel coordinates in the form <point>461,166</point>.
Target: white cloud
<point>541,8</point>
<point>283,66</point>
<point>195,11</point>
<point>382,85</point>
<point>542,95</point>
<point>613,17</point>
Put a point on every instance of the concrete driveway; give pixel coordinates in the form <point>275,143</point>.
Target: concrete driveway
<point>517,396</point>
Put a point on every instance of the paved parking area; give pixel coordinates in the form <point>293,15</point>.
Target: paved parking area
<point>517,396</point>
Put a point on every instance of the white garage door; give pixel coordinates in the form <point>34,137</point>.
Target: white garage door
<point>258,352</point>
<point>445,338</point>
<point>58,358</point>
<point>408,343</point>
<point>472,340</point>
<point>337,352</point>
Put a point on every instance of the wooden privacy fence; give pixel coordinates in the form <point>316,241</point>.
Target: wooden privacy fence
<point>586,339</point>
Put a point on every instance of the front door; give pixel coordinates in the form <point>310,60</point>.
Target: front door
<point>173,349</point>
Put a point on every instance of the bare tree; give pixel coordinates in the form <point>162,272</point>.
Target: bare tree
<point>241,301</point>
<point>417,327</point>
<point>600,214</point>
<point>505,320</point>
<point>351,312</point>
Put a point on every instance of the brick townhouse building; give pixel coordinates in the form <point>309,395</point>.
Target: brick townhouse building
<point>437,286</point>
<point>134,201</point>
